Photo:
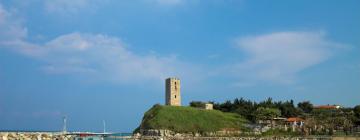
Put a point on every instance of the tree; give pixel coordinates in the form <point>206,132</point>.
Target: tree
<point>306,106</point>
<point>288,109</point>
<point>197,104</point>
<point>310,126</point>
<point>357,111</point>
<point>318,121</point>
<point>357,114</point>
<point>334,119</point>
<point>244,108</point>
<point>263,113</point>
<point>268,103</point>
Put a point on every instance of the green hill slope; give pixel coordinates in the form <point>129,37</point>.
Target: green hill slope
<point>188,119</point>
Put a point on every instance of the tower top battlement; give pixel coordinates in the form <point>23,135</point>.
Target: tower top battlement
<point>174,78</point>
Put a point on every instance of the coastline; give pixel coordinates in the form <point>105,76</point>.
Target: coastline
<point>61,136</point>
<point>33,135</point>
<point>248,138</point>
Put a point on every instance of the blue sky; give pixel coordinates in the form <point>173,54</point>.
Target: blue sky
<point>95,60</point>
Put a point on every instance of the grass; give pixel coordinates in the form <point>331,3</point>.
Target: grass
<point>188,119</point>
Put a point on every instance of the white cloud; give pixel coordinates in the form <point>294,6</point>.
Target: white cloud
<point>12,33</point>
<point>102,58</point>
<point>276,57</point>
<point>92,55</point>
<point>280,56</point>
<point>106,57</point>
<point>10,27</point>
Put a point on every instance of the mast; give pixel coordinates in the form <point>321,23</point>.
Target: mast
<point>64,124</point>
<point>104,124</point>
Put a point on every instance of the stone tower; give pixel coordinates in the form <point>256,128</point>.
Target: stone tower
<point>172,92</point>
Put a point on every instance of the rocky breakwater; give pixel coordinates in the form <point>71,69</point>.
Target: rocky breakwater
<point>223,135</point>
<point>169,133</point>
<point>33,136</point>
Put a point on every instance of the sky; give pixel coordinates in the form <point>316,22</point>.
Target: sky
<point>95,60</point>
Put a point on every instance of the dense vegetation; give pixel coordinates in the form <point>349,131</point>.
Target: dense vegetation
<point>188,119</point>
<point>248,108</point>
<point>234,115</point>
<point>317,121</point>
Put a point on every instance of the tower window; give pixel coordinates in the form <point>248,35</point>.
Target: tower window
<point>175,96</point>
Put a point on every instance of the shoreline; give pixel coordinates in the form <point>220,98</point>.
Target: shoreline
<point>61,136</point>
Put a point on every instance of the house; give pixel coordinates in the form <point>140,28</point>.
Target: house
<point>294,123</point>
<point>209,106</point>
<point>327,107</point>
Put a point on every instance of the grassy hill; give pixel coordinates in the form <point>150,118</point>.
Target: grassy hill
<point>188,119</point>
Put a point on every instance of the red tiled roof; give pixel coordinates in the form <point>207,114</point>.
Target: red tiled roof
<point>293,119</point>
<point>326,107</point>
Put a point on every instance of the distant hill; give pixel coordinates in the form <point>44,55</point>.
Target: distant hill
<point>188,119</point>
